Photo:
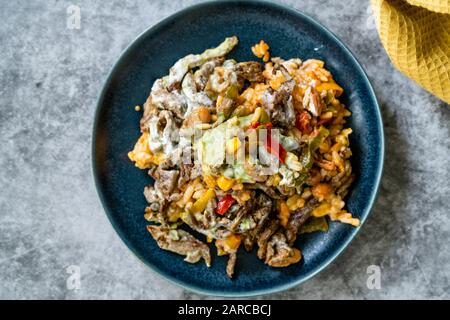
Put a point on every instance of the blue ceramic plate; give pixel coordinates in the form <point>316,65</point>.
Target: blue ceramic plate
<point>120,184</point>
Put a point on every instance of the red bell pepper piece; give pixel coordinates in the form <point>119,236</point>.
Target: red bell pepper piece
<point>272,146</point>
<point>255,125</point>
<point>275,148</point>
<point>224,204</point>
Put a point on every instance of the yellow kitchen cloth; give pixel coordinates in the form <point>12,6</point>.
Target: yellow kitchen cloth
<point>416,36</point>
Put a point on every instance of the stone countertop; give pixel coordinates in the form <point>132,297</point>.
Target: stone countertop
<point>51,217</point>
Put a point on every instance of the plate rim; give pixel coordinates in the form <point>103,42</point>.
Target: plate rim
<point>256,292</point>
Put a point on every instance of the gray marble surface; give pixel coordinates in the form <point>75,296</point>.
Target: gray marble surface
<point>51,218</point>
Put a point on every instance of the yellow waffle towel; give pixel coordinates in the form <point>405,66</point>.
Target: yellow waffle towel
<point>416,36</point>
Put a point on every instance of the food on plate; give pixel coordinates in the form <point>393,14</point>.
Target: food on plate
<point>248,154</point>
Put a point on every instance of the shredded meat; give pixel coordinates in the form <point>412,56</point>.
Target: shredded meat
<point>172,101</point>
<point>201,76</point>
<point>149,111</point>
<point>209,223</point>
<point>196,171</point>
<point>297,219</point>
<point>165,181</point>
<point>343,189</point>
<point>264,237</point>
<point>243,211</point>
<point>267,190</point>
<point>290,65</point>
<point>231,264</point>
<point>215,226</point>
<point>185,170</point>
<point>194,97</point>
<point>181,242</point>
<point>249,70</point>
<point>279,253</point>
<point>226,107</point>
<point>278,103</point>
<point>188,172</point>
<point>155,200</point>
<point>257,218</point>
<point>312,102</point>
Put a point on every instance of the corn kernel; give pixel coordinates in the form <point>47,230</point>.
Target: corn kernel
<point>276,180</point>
<point>225,183</point>
<point>232,242</point>
<point>210,181</point>
<point>233,145</point>
<point>201,203</point>
<point>228,245</point>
